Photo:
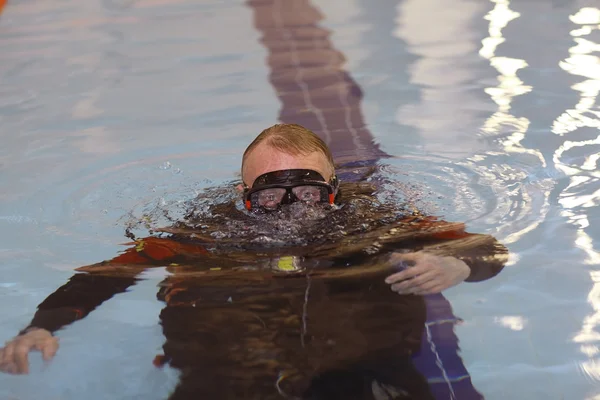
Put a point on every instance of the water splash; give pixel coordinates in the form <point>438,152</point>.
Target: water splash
<point>217,216</point>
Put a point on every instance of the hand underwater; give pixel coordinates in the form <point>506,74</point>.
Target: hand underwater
<point>427,273</point>
<point>13,356</point>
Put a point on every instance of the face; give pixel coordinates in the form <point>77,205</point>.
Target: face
<point>265,159</point>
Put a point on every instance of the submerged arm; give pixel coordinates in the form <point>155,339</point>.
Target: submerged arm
<point>483,254</point>
<point>83,293</point>
<point>444,255</point>
<point>86,291</point>
<point>76,299</point>
<point>72,301</point>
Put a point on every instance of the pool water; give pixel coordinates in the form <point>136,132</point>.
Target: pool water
<point>111,109</point>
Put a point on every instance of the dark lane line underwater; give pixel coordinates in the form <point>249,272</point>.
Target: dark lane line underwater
<point>233,331</point>
<point>307,75</point>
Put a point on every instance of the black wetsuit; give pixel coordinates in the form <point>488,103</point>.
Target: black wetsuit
<point>330,330</point>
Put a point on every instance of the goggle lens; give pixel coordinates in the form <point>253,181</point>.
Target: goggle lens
<point>271,198</point>
<point>310,193</point>
<point>287,186</point>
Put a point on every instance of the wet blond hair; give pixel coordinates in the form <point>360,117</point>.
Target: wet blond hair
<point>291,139</point>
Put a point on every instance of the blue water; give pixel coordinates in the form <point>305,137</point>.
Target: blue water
<point>112,106</point>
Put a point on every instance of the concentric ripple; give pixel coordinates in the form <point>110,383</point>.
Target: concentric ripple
<point>82,208</point>
<point>493,193</point>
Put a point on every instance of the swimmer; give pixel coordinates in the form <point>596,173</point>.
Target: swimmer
<point>286,164</point>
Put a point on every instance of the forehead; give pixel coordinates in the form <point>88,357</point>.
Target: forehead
<point>265,159</point>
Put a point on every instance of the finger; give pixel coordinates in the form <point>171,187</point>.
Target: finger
<point>428,277</point>
<point>400,291</point>
<point>21,353</point>
<point>402,286</point>
<point>434,286</point>
<point>9,368</point>
<point>408,273</point>
<point>413,283</point>
<point>426,286</point>
<point>49,349</point>
<point>8,353</point>
<point>3,364</point>
<point>419,285</point>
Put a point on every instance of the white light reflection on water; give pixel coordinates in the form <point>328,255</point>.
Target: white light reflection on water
<point>509,84</point>
<point>448,111</point>
<point>510,130</point>
<point>579,197</point>
<point>581,62</point>
<point>512,322</point>
<point>444,70</point>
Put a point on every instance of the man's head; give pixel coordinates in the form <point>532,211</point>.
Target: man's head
<point>286,147</point>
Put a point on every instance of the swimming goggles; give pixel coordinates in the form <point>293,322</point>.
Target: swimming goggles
<point>273,189</point>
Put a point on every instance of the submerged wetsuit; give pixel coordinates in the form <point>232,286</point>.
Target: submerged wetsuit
<point>329,331</point>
